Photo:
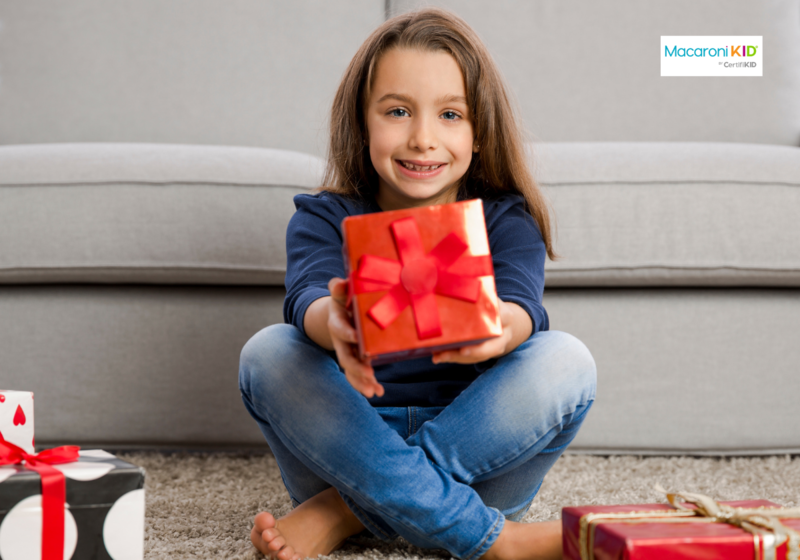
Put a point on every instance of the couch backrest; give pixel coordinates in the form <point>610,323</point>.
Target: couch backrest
<point>263,73</point>
<point>584,70</point>
<point>226,72</point>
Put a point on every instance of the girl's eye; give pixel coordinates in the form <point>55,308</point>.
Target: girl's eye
<point>398,113</point>
<point>450,115</point>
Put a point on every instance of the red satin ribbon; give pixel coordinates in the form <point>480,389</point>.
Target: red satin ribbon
<point>417,277</point>
<point>54,490</point>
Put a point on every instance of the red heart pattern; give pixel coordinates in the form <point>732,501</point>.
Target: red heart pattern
<point>19,416</point>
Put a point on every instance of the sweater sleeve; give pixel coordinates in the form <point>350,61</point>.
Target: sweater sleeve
<point>518,253</point>
<point>313,253</point>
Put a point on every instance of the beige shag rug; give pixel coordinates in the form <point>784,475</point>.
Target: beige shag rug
<point>202,505</point>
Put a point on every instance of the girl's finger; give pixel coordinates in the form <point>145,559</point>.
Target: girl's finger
<point>454,355</point>
<point>349,362</point>
<point>360,374</point>
<point>373,388</point>
<point>340,327</point>
<point>338,290</point>
<point>361,387</point>
<point>469,354</point>
<point>344,354</point>
<point>368,387</point>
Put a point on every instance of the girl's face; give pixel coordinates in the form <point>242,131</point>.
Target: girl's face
<point>419,131</point>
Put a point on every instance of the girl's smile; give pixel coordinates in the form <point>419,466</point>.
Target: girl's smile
<point>419,130</point>
<point>417,169</point>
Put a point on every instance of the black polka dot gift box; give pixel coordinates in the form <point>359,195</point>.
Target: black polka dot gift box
<point>66,503</point>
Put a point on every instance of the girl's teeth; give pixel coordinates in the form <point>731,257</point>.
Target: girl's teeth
<point>413,167</point>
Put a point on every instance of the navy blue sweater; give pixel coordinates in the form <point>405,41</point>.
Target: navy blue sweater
<point>314,251</point>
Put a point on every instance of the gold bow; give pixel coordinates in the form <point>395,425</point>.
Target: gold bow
<point>763,522</point>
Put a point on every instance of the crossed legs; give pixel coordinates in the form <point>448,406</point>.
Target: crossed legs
<point>451,483</point>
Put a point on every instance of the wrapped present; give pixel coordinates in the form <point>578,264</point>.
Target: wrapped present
<point>420,280</point>
<point>690,526</point>
<point>16,419</point>
<point>66,503</point>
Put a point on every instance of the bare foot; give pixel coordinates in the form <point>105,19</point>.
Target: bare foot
<point>318,526</point>
<point>527,541</point>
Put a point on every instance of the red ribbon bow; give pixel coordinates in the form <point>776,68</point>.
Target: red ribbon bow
<point>417,277</point>
<point>54,490</point>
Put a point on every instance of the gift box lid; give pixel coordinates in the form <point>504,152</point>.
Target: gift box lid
<point>97,478</point>
<point>658,533</point>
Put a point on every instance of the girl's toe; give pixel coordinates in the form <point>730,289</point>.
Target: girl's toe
<point>264,520</point>
<point>255,538</point>
<point>269,534</point>
<point>276,543</point>
<point>288,553</point>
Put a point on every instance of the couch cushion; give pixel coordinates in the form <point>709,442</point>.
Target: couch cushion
<point>148,213</point>
<point>673,214</point>
<point>637,214</point>
<point>709,371</point>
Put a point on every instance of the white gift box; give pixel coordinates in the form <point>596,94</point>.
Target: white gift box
<point>16,418</point>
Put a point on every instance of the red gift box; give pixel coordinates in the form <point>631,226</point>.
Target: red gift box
<point>420,280</point>
<point>662,532</point>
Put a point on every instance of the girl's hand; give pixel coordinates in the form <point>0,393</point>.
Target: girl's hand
<point>345,342</point>
<point>517,327</point>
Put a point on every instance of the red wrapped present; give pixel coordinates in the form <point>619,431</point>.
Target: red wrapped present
<point>691,526</point>
<point>421,280</point>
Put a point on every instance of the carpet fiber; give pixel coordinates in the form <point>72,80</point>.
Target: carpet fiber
<point>202,505</point>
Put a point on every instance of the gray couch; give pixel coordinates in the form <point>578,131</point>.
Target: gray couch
<point>149,153</point>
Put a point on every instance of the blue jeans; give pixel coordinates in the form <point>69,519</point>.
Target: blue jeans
<point>441,477</point>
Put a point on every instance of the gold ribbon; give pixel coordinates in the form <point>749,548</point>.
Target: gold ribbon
<point>762,522</point>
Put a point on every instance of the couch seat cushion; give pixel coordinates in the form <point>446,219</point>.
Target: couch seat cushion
<point>148,213</point>
<point>627,214</point>
<point>672,214</point>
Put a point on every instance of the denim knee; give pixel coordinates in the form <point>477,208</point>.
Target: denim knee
<point>565,356</point>
<point>542,384</point>
<point>262,359</point>
<point>576,360</point>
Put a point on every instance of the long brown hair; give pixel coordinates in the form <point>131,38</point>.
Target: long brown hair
<point>499,166</point>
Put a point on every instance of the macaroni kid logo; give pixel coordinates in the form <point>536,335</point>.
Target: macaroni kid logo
<point>711,56</point>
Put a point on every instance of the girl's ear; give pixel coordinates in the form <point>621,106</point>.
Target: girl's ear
<point>475,147</point>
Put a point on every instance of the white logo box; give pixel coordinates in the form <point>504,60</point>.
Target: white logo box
<point>712,55</point>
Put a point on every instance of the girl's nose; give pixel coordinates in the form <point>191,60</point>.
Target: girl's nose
<point>423,135</point>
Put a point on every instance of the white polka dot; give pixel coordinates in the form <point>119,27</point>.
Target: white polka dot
<point>123,530</point>
<point>21,531</point>
<point>85,471</point>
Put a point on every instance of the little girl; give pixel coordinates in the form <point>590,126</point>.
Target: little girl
<point>447,452</point>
